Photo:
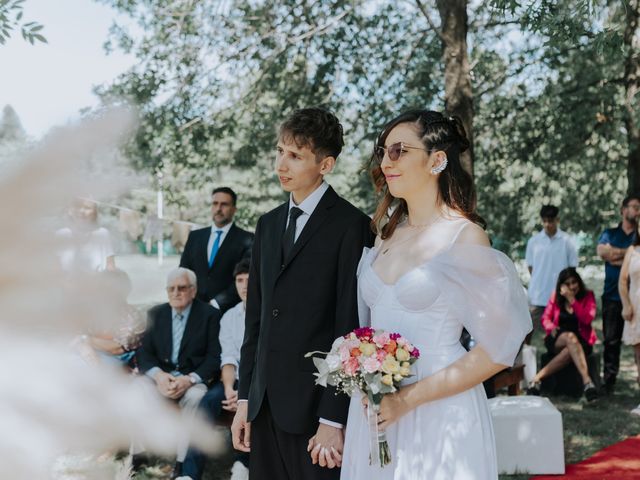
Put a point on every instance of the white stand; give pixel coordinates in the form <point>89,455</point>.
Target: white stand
<point>528,435</point>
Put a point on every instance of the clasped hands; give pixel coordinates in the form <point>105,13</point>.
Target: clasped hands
<point>325,447</point>
<point>230,403</point>
<point>170,386</point>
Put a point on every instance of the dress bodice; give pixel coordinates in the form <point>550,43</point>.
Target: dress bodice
<point>413,306</point>
<point>465,285</point>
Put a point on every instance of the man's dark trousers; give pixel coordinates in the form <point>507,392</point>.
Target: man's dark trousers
<point>612,326</point>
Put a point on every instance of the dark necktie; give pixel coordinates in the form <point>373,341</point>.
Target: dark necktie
<point>289,237</point>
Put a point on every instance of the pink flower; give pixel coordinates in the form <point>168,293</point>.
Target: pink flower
<point>382,339</point>
<point>363,332</point>
<point>400,340</point>
<point>381,355</point>
<point>351,366</point>
<point>415,352</point>
<point>395,336</point>
<point>371,365</point>
<point>344,351</point>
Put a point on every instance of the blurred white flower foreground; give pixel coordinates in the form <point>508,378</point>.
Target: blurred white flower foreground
<point>56,409</point>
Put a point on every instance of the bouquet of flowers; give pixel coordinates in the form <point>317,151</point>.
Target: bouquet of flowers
<point>373,362</point>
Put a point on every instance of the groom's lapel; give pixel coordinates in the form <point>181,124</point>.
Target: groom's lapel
<point>273,235</point>
<point>319,215</point>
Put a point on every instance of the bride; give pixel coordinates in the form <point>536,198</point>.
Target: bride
<point>431,273</point>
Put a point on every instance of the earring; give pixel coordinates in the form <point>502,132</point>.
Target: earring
<point>440,168</point>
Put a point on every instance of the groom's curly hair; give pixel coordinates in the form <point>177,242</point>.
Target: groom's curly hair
<point>315,128</point>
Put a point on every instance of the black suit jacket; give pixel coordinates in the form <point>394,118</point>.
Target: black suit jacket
<point>199,349</point>
<point>216,282</point>
<point>298,305</point>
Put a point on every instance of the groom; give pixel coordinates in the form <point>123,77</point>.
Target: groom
<point>301,296</point>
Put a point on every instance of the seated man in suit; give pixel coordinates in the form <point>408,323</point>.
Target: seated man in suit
<point>223,396</point>
<point>180,351</point>
<point>214,251</point>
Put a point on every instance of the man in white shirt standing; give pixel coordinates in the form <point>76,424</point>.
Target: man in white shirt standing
<point>224,394</point>
<point>548,252</point>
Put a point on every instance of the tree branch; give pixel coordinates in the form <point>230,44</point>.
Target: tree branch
<point>426,15</point>
<point>320,28</point>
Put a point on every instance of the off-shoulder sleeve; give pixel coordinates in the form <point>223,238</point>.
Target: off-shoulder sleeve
<point>483,289</point>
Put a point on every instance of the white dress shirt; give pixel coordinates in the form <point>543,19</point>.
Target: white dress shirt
<point>308,205</point>
<point>548,256</point>
<point>232,335</point>
<point>212,237</point>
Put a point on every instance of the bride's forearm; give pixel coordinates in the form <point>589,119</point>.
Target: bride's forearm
<point>470,370</point>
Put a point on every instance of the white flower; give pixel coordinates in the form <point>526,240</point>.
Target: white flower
<point>333,361</point>
<point>336,343</point>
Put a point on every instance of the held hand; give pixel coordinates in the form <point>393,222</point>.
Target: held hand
<point>241,429</point>
<point>325,447</point>
<point>627,312</point>
<point>231,402</point>
<point>164,383</point>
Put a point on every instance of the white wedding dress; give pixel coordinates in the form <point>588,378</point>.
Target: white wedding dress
<point>463,286</point>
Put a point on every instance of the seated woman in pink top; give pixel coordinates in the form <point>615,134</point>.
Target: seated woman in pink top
<point>570,337</point>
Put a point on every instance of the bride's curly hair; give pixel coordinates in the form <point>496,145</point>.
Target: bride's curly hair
<point>455,185</point>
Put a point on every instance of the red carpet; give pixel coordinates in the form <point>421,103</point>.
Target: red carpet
<point>620,461</point>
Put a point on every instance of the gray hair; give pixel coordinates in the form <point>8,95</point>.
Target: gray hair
<point>179,272</point>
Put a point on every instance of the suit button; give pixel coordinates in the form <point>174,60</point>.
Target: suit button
<point>282,267</point>
<point>275,312</point>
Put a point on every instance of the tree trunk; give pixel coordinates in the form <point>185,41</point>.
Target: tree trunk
<point>458,95</point>
<point>632,90</point>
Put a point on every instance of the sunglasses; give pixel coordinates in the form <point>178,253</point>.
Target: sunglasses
<point>394,151</point>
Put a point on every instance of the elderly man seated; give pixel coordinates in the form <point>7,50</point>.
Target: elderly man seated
<point>180,352</point>
<point>223,396</point>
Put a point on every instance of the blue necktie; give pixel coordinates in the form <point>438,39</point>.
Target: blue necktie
<point>177,334</point>
<point>216,247</point>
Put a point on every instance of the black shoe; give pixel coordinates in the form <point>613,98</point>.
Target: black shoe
<point>177,471</point>
<point>534,389</point>
<point>138,461</point>
<point>590,392</point>
<point>608,387</point>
